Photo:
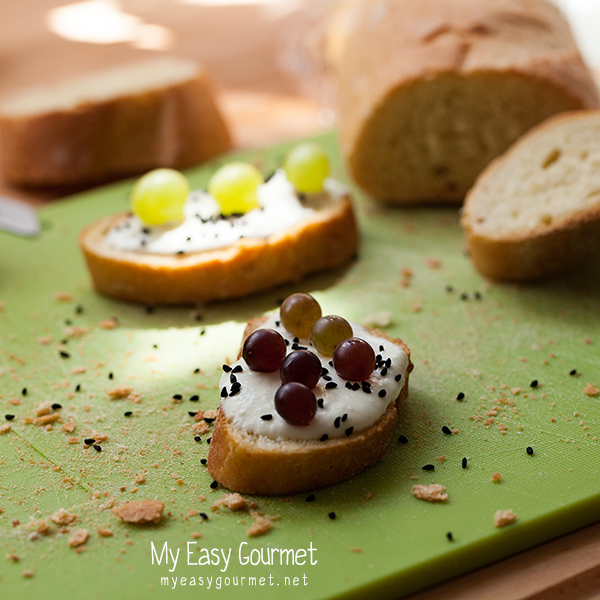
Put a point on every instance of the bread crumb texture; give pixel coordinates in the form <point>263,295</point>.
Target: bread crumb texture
<point>141,511</point>
<point>502,518</point>
<point>78,537</point>
<point>430,493</point>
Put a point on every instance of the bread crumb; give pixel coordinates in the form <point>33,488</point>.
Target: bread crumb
<point>141,478</point>
<point>382,318</point>
<point>104,532</point>
<point>63,297</point>
<point>262,525</point>
<point>73,331</point>
<point>46,419</point>
<point>73,440</point>
<point>431,493</point>
<point>27,573</point>
<point>355,549</point>
<point>591,390</point>
<point>5,428</point>
<point>141,511</point>
<point>196,535</point>
<point>496,477</point>
<point>504,517</point>
<point>232,501</point>
<point>192,513</point>
<point>433,262</point>
<point>79,370</point>
<point>108,323</point>
<point>62,517</point>
<point>13,557</point>
<point>44,340</point>
<point>43,408</point>
<point>201,427</point>
<point>69,427</point>
<point>78,537</point>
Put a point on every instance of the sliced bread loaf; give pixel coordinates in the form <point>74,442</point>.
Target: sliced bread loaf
<point>536,209</point>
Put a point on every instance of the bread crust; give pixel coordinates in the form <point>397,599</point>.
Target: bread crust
<point>544,249</point>
<point>400,49</point>
<point>251,265</point>
<point>255,464</point>
<point>166,125</point>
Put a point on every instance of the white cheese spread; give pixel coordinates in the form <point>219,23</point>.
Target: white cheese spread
<point>343,407</point>
<point>204,228</point>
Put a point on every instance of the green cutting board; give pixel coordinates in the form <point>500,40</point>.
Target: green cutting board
<point>488,342</point>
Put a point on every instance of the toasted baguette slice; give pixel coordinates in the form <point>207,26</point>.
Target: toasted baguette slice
<point>536,209</point>
<point>125,120</point>
<point>327,239</point>
<point>430,91</point>
<point>256,464</point>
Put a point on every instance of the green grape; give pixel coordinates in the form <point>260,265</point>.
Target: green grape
<point>328,332</point>
<point>298,314</point>
<point>235,188</point>
<point>306,167</point>
<point>158,196</point>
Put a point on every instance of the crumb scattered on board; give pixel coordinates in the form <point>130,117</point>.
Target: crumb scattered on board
<point>430,493</point>
<point>78,537</point>
<point>502,518</point>
<point>141,511</point>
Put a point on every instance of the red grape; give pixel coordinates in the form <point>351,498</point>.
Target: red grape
<point>354,359</point>
<point>298,314</point>
<point>264,350</point>
<point>301,366</point>
<point>295,403</point>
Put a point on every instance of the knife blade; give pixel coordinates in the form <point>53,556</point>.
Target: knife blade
<point>18,217</point>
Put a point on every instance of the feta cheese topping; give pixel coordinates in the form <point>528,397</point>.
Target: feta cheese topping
<point>340,406</point>
<point>204,228</point>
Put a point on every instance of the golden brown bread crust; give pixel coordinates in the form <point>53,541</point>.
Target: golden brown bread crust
<point>174,125</point>
<point>249,266</point>
<point>254,464</point>
<point>455,56</point>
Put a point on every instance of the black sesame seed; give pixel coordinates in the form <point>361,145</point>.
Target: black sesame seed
<point>128,413</point>
<point>89,441</point>
<point>477,295</point>
<point>277,323</point>
<point>234,391</point>
<point>78,309</point>
<point>327,377</point>
<point>323,437</point>
<point>202,331</point>
<point>310,498</point>
<point>202,461</point>
<point>530,450</point>
<point>464,296</point>
<point>450,536</point>
<point>324,371</point>
<point>296,340</point>
<point>344,417</point>
<point>177,397</point>
<point>449,288</point>
<point>9,417</point>
<point>332,515</point>
<point>226,368</point>
<point>78,387</point>
<point>330,363</point>
<point>366,388</point>
<point>382,393</point>
<point>197,370</point>
<point>348,385</point>
<point>224,393</point>
<point>403,439</point>
<point>56,406</point>
<point>384,371</point>
<point>355,386</point>
<point>330,385</point>
<point>194,398</point>
<point>388,363</point>
<point>381,348</point>
<point>398,377</point>
<point>192,413</point>
<point>197,438</point>
<point>208,419</point>
<point>573,372</point>
<point>349,431</point>
<point>238,369</point>
<point>266,417</point>
<point>203,515</point>
<point>149,309</point>
<point>68,322</point>
<point>208,440</point>
<point>97,448</point>
<point>336,423</point>
<point>378,358</point>
<point>460,396</point>
<point>214,485</point>
<point>446,430</point>
<point>534,383</point>
<point>295,346</point>
<point>464,462</point>
<point>64,354</point>
<point>24,391</point>
<point>232,378</point>
<point>320,402</point>
<point>110,375</point>
<point>428,467</point>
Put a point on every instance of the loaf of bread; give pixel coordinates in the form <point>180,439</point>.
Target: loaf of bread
<point>430,91</point>
<point>536,209</point>
<point>326,238</point>
<point>257,464</point>
<point>122,121</point>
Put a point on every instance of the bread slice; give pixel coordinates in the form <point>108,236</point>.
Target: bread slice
<point>256,464</point>
<point>125,120</point>
<point>326,239</point>
<point>536,209</point>
<point>431,91</point>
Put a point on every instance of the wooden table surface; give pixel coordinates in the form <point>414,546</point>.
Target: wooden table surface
<point>248,49</point>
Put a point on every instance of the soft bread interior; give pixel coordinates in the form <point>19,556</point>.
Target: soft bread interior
<point>434,136</point>
<point>541,183</point>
